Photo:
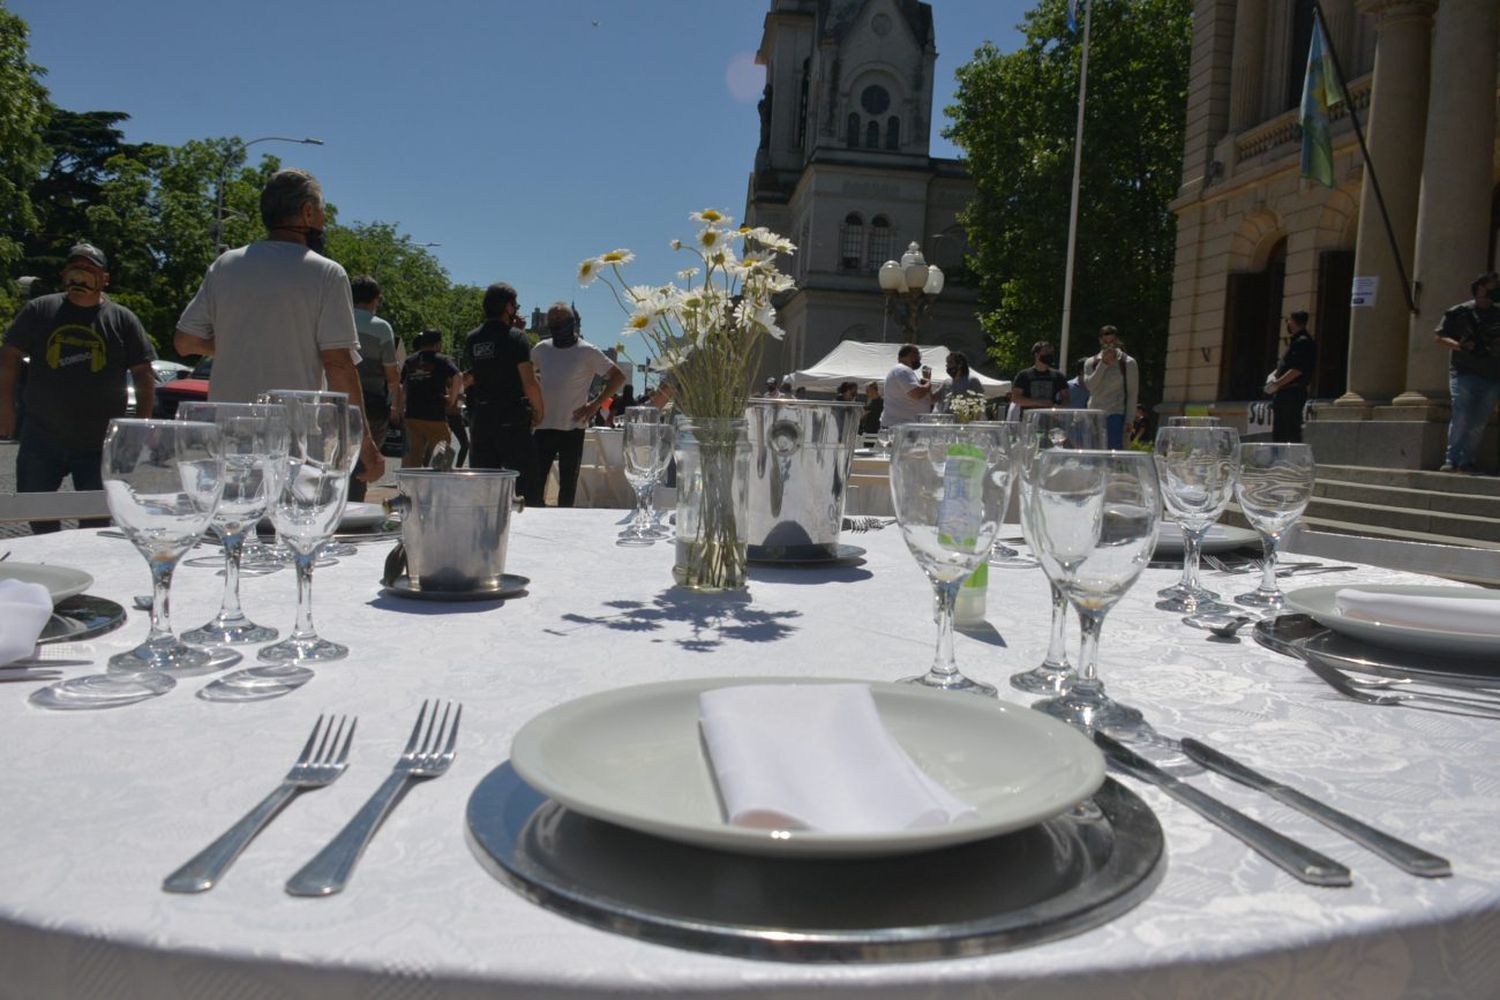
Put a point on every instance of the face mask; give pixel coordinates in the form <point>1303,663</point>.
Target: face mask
<point>317,239</point>
<point>80,279</point>
<point>1047,359</point>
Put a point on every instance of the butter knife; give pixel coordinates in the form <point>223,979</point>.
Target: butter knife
<point>1297,860</point>
<point>1407,857</point>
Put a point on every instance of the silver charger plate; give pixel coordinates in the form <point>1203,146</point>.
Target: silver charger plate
<point>1300,635</point>
<point>1069,874</point>
<point>81,617</point>
<point>510,586</point>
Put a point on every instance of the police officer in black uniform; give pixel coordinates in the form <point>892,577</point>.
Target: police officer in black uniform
<point>504,398</point>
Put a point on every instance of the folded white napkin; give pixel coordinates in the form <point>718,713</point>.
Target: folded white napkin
<point>816,757</point>
<point>1474,615</point>
<point>24,610</point>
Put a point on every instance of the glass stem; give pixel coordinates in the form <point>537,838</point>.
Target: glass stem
<point>1192,551</point>
<point>234,550</point>
<point>1057,649</point>
<point>648,501</point>
<point>642,509</point>
<point>161,599</point>
<point>1089,624</point>
<point>942,657</point>
<point>304,563</point>
<point>1268,543</point>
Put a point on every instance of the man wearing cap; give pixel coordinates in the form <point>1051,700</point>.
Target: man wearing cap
<point>81,344</point>
<point>567,367</point>
<point>277,314</point>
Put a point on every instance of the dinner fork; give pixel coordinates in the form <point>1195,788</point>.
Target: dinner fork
<point>1337,680</point>
<point>426,756</point>
<point>313,769</point>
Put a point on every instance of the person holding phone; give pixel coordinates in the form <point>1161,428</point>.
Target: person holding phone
<point>907,394</point>
<point>1113,383</point>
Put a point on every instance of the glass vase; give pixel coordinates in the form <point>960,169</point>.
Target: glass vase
<point>713,503</point>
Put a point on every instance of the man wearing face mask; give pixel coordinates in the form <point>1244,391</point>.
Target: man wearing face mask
<point>567,367</point>
<point>81,345</point>
<point>907,394</point>
<point>277,314</point>
<point>1041,386</point>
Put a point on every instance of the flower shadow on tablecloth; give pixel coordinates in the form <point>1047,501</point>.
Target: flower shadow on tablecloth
<point>702,622</point>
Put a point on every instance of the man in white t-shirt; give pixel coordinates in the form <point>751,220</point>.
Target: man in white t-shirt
<point>906,393</point>
<point>566,368</point>
<point>277,314</point>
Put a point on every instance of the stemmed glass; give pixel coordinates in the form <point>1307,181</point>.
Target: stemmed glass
<point>950,485</point>
<point>356,430</point>
<point>253,440</point>
<point>1197,466</point>
<point>1193,421</point>
<point>1274,487</point>
<point>647,449</point>
<point>1042,431</point>
<point>1094,516</point>
<point>883,436</point>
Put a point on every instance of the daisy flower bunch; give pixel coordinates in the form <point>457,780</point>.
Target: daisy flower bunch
<point>707,327</point>
<point>967,406</point>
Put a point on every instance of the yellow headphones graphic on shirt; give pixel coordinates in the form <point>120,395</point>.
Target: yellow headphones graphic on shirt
<point>75,336</point>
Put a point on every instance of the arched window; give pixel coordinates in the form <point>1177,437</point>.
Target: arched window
<point>851,242</point>
<point>882,241</point>
<point>872,135</point>
<point>852,128</point>
<point>893,133</point>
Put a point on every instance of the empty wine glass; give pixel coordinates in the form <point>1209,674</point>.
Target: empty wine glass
<point>253,441</point>
<point>355,420</point>
<point>1193,421</point>
<point>1274,487</point>
<point>950,484</point>
<point>1041,431</point>
<point>1197,466</point>
<point>647,449</point>
<point>883,436</point>
<point>1094,517</point>
<point>162,480</point>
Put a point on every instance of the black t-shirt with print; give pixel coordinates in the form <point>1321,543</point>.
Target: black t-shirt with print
<point>491,354</point>
<point>80,357</point>
<point>424,383</point>
<point>1046,385</point>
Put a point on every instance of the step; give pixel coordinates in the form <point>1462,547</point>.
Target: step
<point>1374,531</point>
<point>1407,498</point>
<point>1465,527</point>
<point>1441,482</point>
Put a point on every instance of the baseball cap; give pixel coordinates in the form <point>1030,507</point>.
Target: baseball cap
<point>90,253</point>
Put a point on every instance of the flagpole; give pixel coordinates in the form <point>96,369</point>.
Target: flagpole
<point>1364,150</point>
<point>1083,83</point>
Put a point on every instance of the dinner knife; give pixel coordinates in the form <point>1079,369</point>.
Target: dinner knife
<point>1297,860</point>
<point>1407,857</point>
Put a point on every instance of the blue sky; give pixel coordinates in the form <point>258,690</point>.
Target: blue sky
<point>523,137</point>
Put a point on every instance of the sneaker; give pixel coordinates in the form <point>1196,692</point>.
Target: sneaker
<point>1447,467</point>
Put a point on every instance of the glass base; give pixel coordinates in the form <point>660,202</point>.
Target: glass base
<point>1178,592</point>
<point>223,632</point>
<point>1100,714</point>
<point>310,648</point>
<point>174,657</point>
<point>1046,679</point>
<point>1004,557</point>
<point>1193,606</point>
<point>955,681</point>
<point>635,540</point>
<point>1274,601</point>
<point>102,691</point>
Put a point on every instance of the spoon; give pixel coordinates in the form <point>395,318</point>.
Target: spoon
<point>1224,626</point>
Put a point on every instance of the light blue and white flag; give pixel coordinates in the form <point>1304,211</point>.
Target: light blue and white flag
<point>1073,15</point>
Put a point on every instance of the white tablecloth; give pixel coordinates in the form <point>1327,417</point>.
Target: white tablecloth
<point>99,806</point>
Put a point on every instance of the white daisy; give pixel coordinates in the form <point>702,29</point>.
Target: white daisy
<point>712,216</point>
<point>588,271</point>
<point>619,258</point>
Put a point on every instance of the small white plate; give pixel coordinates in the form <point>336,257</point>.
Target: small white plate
<point>1319,603</point>
<point>362,515</point>
<point>634,757</point>
<point>61,582</point>
<point>1220,538</point>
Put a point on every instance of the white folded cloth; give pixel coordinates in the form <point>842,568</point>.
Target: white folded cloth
<point>24,610</point>
<point>816,757</point>
<point>1475,615</point>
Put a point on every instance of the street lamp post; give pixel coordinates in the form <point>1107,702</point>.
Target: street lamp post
<point>910,286</point>
<point>237,151</point>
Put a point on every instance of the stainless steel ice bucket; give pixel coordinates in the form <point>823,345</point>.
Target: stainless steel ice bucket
<point>455,527</point>
<point>801,451</point>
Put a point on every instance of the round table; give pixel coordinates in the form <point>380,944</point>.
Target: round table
<point>100,806</point>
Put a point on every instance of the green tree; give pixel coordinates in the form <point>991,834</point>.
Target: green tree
<point>415,290</point>
<point>23,113</point>
<point>1014,118</point>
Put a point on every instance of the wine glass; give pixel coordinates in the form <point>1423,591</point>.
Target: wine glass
<point>647,449</point>
<point>163,480</point>
<point>253,440</point>
<point>883,436</point>
<point>1094,516</point>
<point>355,419</point>
<point>1197,466</point>
<point>1042,431</point>
<point>1274,487</point>
<point>1193,421</point>
<point>950,485</point>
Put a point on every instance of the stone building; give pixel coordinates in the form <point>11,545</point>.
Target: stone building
<point>1256,242</point>
<point>844,171</point>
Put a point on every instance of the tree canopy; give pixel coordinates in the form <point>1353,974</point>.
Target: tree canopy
<point>1015,117</point>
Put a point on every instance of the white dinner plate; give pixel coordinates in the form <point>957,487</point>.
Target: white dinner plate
<point>1220,538</point>
<point>61,582</point>
<point>634,757</point>
<point>1319,603</point>
<point>362,515</point>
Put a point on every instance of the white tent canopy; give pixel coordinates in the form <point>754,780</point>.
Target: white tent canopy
<point>858,361</point>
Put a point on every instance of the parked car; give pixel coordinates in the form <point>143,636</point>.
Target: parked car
<point>163,372</point>
<point>193,385</point>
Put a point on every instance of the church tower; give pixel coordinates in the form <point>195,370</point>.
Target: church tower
<point>844,170</point>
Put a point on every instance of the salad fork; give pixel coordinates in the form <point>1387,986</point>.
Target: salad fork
<point>313,769</point>
<point>426,756</point>
<point>1337,680</point>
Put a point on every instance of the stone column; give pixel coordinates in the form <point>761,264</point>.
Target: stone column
<point>1247,68</point>
<point>1398,108</point>
<point>1453,221</point>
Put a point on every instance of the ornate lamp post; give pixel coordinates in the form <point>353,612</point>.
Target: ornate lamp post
<point>910,286</point>
<point>237,152</point>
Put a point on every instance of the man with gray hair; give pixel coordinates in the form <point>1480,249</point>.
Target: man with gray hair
<point>567,368</point>
<point>277,314</point>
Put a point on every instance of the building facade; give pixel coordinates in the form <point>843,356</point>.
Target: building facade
<point>844,171</point>
<point>1256,242</point>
